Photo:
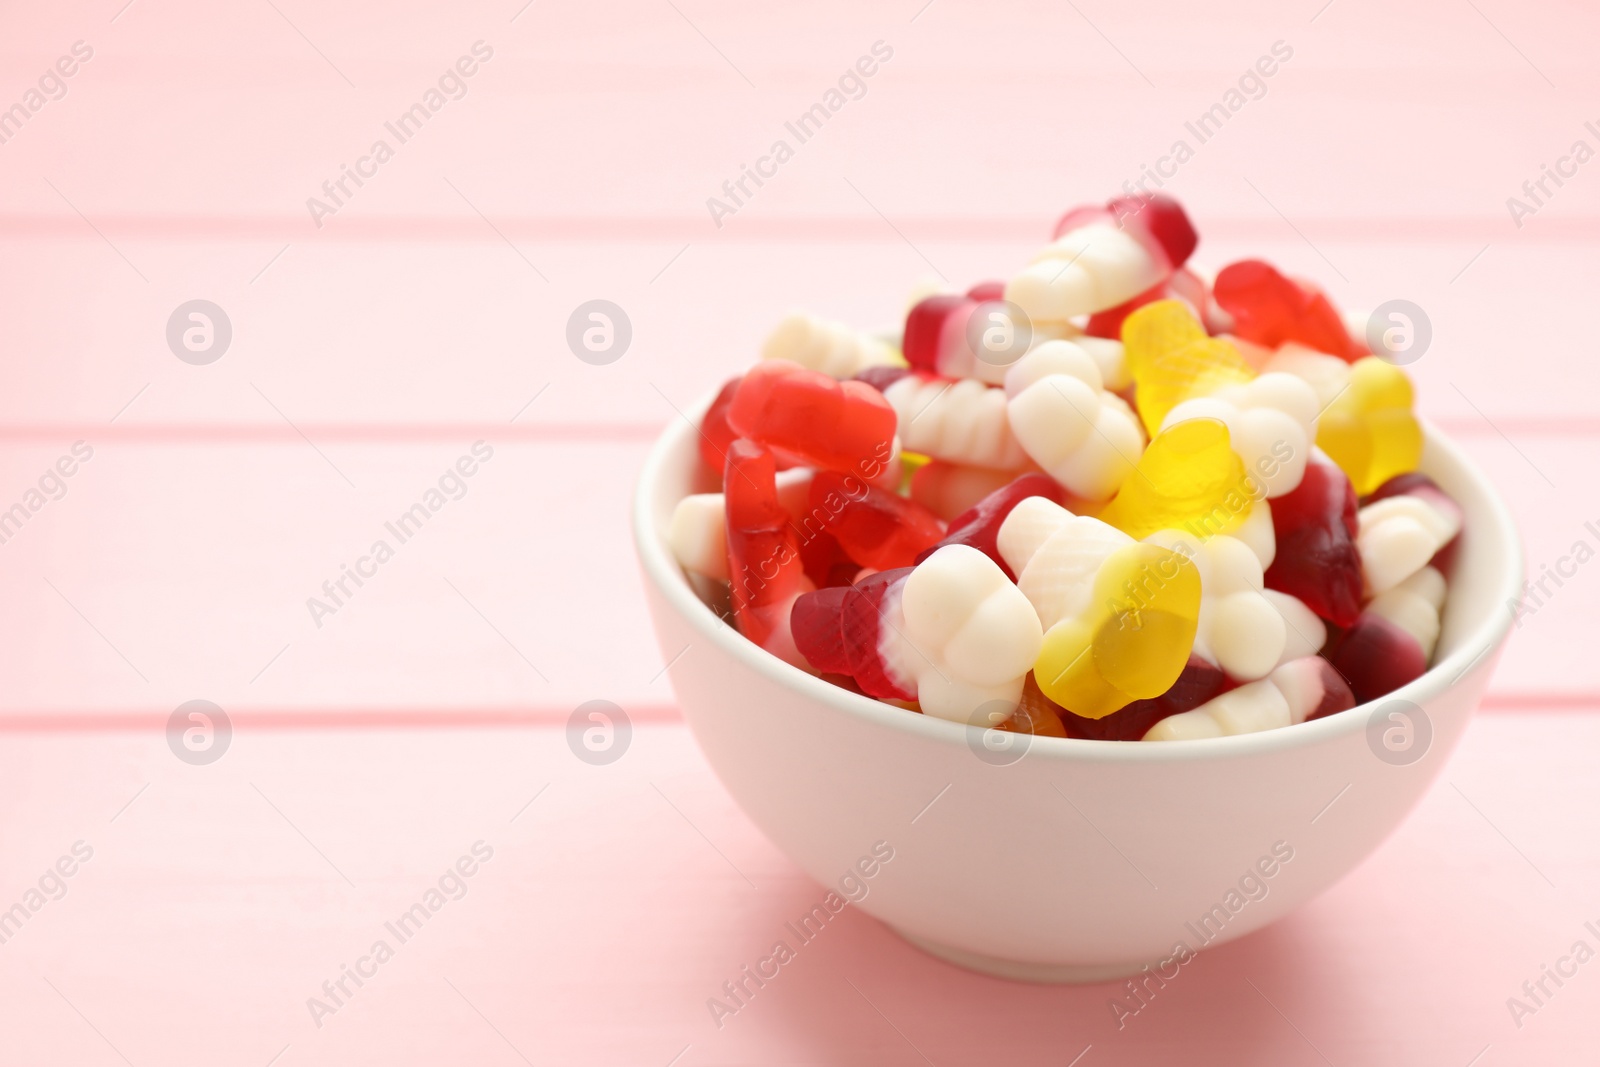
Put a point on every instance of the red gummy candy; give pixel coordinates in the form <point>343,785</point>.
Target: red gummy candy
<point>715,433</point>
<point>1157,221</point>
<point>813,419</point>
<point>763,551</point>
<point>984,292</point>
<point>816,622</point>
<point>875,528</point>
<point>979,525</point>
<point>1376,657</point>
<point>1198,683</point>
<point>825,562</point>
<point>1317,559</point>
<point>925,325</point>
<point>1269,309</point>
<point>838,631</point>
<point>861,624</point>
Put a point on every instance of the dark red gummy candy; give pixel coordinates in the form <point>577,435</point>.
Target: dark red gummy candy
<point>1317,559</point>
<point>1198,683</point>
<point>979,525</point>
<point>1376,657</point>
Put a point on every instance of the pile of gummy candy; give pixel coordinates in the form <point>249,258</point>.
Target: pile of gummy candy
<point>1110,499</point>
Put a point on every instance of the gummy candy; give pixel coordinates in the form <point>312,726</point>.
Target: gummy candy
<point>1317,560</point>
<point>1270,309</point>
<point>698,535</point>
<point>949,489</point>
<point>1185,285</point>
<point>1238,629</point>
<point>1398,533</point>
<point>763,554</point>
<point>958,420</point>
<point>940,333</point>
<point>1102,257</point>
<point>877,529</point>
<point>1172,358</point>
<point>1299,690</point>
<point>1061,417</point>
<point>831,348</point>
<point>979,525</point>
<point>809,417</point>
<point>1369,429</point>
<point>951,633</point>
<point>1271,423</point>
<point>1036,713</point>
<point>1392,641</point>
<point>1198,683</point>
<point>1188,479</point>
<point>715,433</point>
<point>1119,616</point>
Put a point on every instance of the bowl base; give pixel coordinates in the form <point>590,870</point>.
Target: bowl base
<point>1022,970</point>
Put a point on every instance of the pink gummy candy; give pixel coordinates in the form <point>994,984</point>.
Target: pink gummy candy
<point>1316,558</point>
<point>763,551</point>
<point>814,420</point>
<point>984,292</point>
<point>979,525</point>
<point>875,528</point>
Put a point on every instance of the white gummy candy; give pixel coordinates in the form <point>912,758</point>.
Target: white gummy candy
<point>1085,270</point>
<point>1271,424</point>
<point>962,635</point>
<point>1240,630</point>
<point>1061,417</point>
<point>829,347</point>
<point>1286,696</point>
<point>1398,535</point>
<point>958,420</point>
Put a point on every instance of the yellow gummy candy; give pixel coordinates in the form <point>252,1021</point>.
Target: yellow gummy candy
<point>1190,478</point>
<point>1369,430</point>
<point>1171,359</point>
<point>1133,641</point>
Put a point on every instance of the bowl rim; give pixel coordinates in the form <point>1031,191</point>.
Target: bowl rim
<point>662,570</point>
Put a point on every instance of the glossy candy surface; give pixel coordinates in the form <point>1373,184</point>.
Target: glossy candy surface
<point>1269,309</point>
<point>1189,479</point>
<point>1317,559</point>
<point>979,526</point>
<point>875,528</point>
<point>1369,429</point>
<point>1173,359</point>
<point>763,551</point>
<point>1119,616</point>
<point>1083,437</point>
<point>808,417</point>
<point>831,348</point>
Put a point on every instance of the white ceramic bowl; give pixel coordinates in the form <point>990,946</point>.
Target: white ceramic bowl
<point>1082,860</point>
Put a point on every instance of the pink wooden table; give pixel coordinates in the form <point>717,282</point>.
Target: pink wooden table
<point>375,746</point>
